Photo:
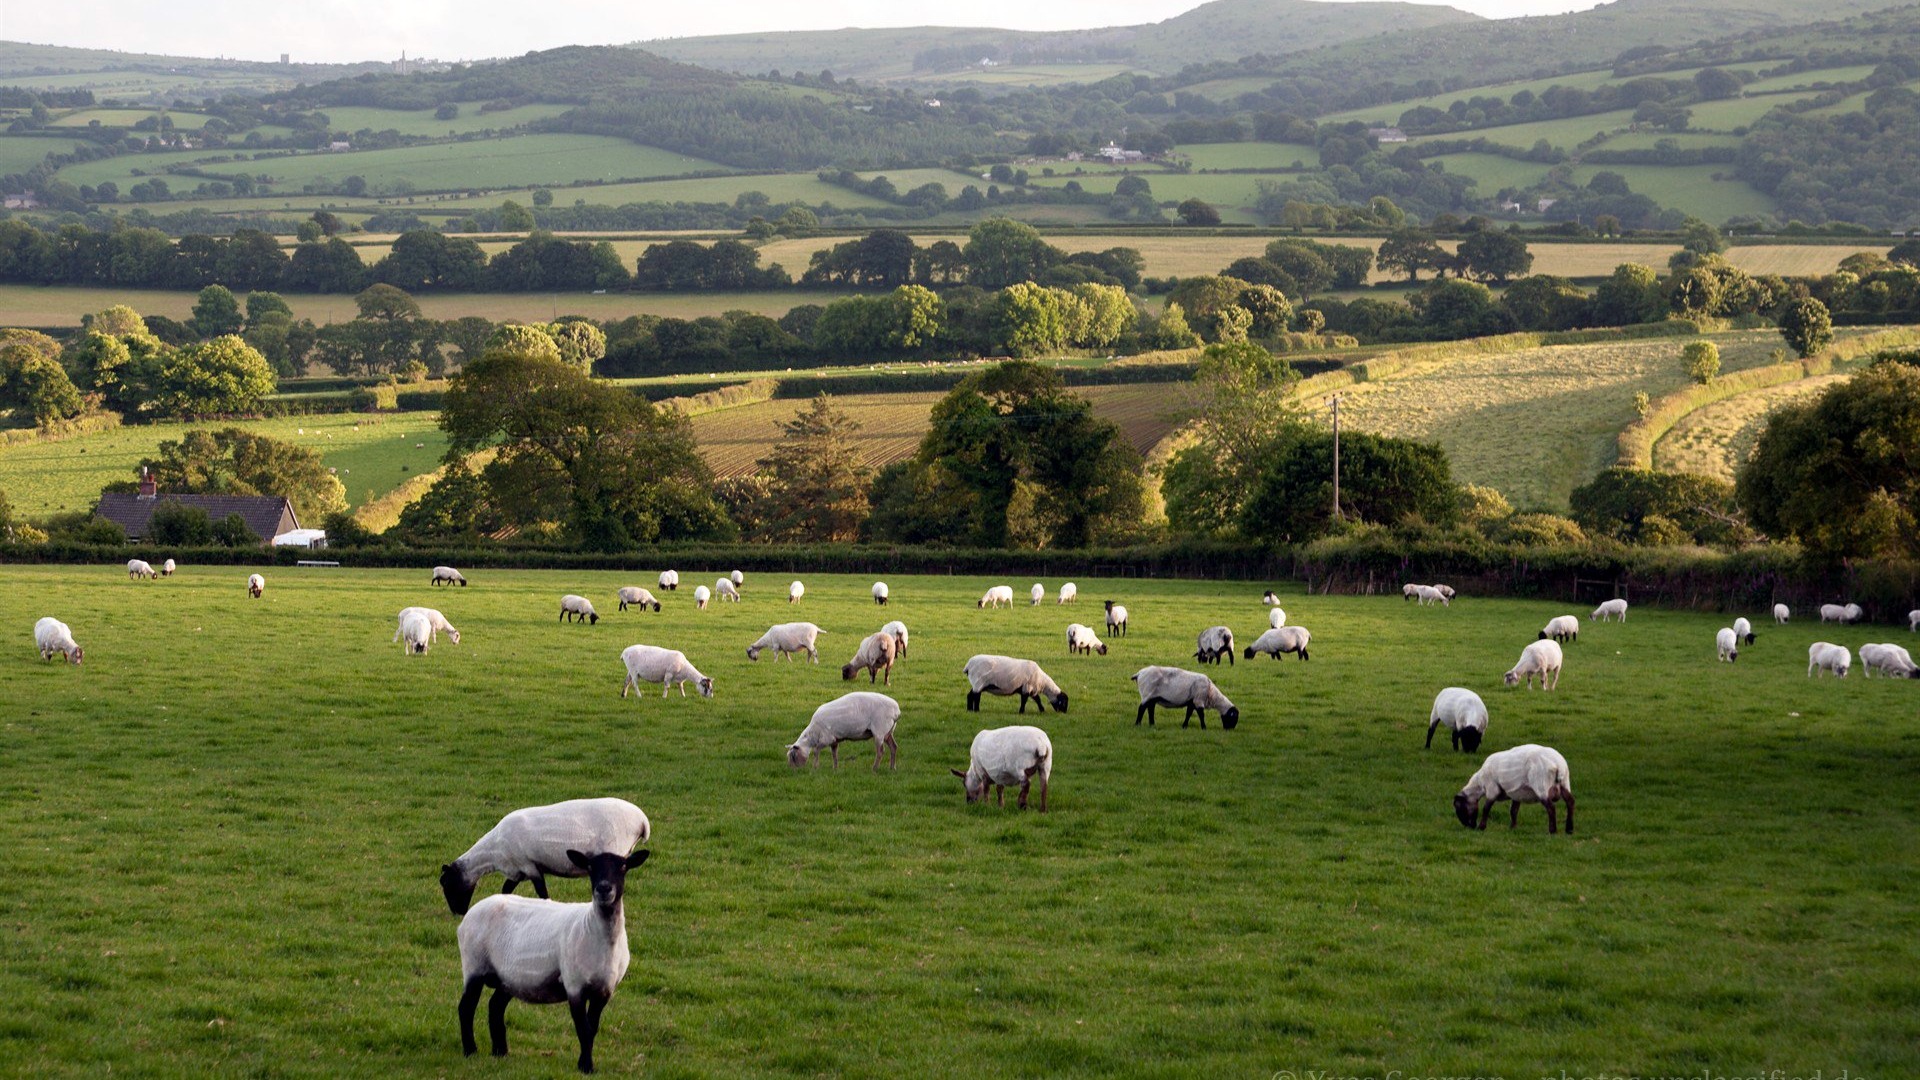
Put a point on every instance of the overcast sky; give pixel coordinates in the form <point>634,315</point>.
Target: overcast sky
<point>345,30</point>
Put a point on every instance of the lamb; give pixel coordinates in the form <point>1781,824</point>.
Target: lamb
<point>1727,644</point>
<point>416,633</point>
<point>635,596</point>
<point>1273,600</point>
<point>1116,618</point>
<point>1280,639</point>
<point>1038,593</point>
<point>1463,714</point>
<point>1610,610</point>
<point>670,580</point>
<point>1172,686</point>
<point>702,594</point>
<point>724,589</point>
<point>50,636</point>
<point>667,667</point>
<point>530,843</point>
<point>1888,659</point>
<point>1080,639</point>
<point>999,594</point>
<point>854,717</point>
<point>1003,757</point>
<point>167,568</point>
<point>899,631</point>
<point>1214,642</point>
<point>140,568</point>
<point>880,594</point>
<point>737,578</point>
<point>788,637</point>
<point>1005,676</point>
<point>1542,658</point>
<point>576,609</point>
<point>256,585</point>
<point>1068,593</point>
<point>544,952</point>
<point>447,575</point>
<point>1428,594</point>
<point>1824,656</point>
<point>1562,628</point>
<point>876,652</point>
<point>795,591</point>
<point>1780,613</point>
<point>1525,774</point>
<point>1743,629</point>
<point>1276,617</point>
<point>436,622</point>
<point>1840,613</point>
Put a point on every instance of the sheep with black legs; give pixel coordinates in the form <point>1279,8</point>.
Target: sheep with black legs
<point>635,596</point>
<point>437,621</point>
<point>1726,644</point>
<point>1610,610</point>
<point>996,596</point>
<point>787,638</point>
<point>1781,613</point>
<point>725,590</point>
<point>701,594</point>
<point>1068,593</point>
<point>1825,657</point>
<point>543,952</point>
<point>668,667</point>
<point>1524,774</point>
<point>1081,639</point>
<point>874,656</point>
<point>854,717</point>
<point>1429,595</point>
<point>737,578</point>
<point>1214,642</point>
<point>1116,618</point>
<point>1271,599</point>
<point>795,591</point>
<point>1408,591</point>
<point>1743,630</point>
<point>1462,713</point>
<point>1280,639</point>
<point>1036,594</point>
<point>138,569</point>
<point>577,609</point>
<point>1004,676</point>
<point>167,568</point>
<point>670,580</point>
<point>1542,659</point>
<point>447,575</point>
<point>256,585</point>
<point>531,843</point>
<point>899,631</point>
<point>880,593</point>
<point>1888,659</point>
<point>1002,757</point>
<point>50,636</point>
<point>1561,628</point>
<point>1178,688</point>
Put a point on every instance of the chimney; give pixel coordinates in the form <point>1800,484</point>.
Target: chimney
<point>148,488</point>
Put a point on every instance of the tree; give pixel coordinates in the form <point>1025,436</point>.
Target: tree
<point>234,461</point>
<point>1196,212</point>
<point>1806,326</point>
<point>1906,253</point>
<point>216,313</point>
<point>1630,295</point>
<point>1545,302</point>
<point>225,375</point>
<point>1495,256</point>
<point>261,304</point>
<point>816,487</point>
<point>117,321</point>
<point>580,342</point>
<point>1714,84</point>
<point>35,386</point>
<point>1409,251</point>
<point>1702,361</point>
<point>175,524</point>
<point>1241,413</point>
<point>456,509</point>
<point>1381,480</point>
<point>516,218</point>
<point>233,531</point>
<point>1620,502</point>
<point>1002,252</point>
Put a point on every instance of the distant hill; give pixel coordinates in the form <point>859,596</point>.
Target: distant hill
<point>1223,29</point>
<point>150,76</point>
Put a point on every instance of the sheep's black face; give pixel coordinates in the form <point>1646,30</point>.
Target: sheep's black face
<point>454,885</point>
<point>796,757</point>
<point>1463,809</point>
<point>608,872</point>
<point>1231,718</point>
<point>1247,653</point>
<point>593,618</point>
<point>975,793</point>
<point>1060,701</point>
<point>847,671</point>
<point>1470,740</point>
<point>706,687</point>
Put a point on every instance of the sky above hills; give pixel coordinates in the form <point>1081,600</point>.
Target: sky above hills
<point>337,31</point>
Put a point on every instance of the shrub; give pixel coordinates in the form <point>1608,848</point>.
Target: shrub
<point>1483,505</point>
<point>232,531</point>
<point>1541,530</point>
<point>1703,362</point>
<point>176,525</point>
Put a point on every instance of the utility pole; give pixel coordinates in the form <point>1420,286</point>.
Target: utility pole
<point>1336,458</point>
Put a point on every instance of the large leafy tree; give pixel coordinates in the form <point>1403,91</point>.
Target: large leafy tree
<point>234,461</point>
<point>1242,413</point>
<point>1409,251</point>
<point>1495,255</point>
<point>1381,480</point>
<point>1002,252</point>
<point>816,486</point>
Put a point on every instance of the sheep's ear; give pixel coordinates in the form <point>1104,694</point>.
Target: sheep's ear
<point>577,859</point>
<point>637,858</point>
<point>958,773</point>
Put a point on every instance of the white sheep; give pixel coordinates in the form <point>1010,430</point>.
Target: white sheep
<point>544,952</point>
<point>795,591</point>
<point>1561,628</point>
<point>1913,620</point>
<point>668,667</point>
<point>1525,774</point>
<point>1038,593</point>
<point>1276,618</point>
<point>1444,590</point>
<point>1004,676</point>
<point>1853,612</point>
<point>1003,757</point>
<point>994,597</point>
<point>577,609</point>
<point>1743,630</point>
<point>1068,593</point>
<point>1178,688</point>
<point>1542,658</point>
<point>256,585</point>
<point>880,594</point>
<point>1726,644</point>
<point>436,622</point>
<point>447,575</point>
<point>1842,613</point>
<point>737,578</point>
<point>875,654</point>
<point>854,717</point>
<point>416,633</point>
<point>138,569</point>
<point>1080,639</point>
<point>50,636</point>
<point>1409,591</point>
<point>1610,610</point>
<point>1116,618</point>
<point>670,580</point>
<point>1214,642</point>
<point>725,590</point>
<point>701,594</point>
<point>167,568</point>
<point>1824,656</point>
<point>1888,659</point>
<point>1780,613</point>
<point>1280,639</point>
<point>635,596</point>
<point>786,638</point>
<point>532,842</point>
<point>1272,599</point>
<point>1462,713</point>
<point>899,631</point>
<point>1427,595</point>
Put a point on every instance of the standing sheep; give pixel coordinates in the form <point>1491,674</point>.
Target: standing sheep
<point>416,633</point>
<point>1524,774</point>
<point>1214,642</point>
<point>1562,628</point>
<point>1542,658</point>
<point>1840,613</point>
<point>50,636</point>
<point>256,585</point>
<point>1068,593</point>
<point>1003,757</point>
<point>532,842</point>
<point>1913,621</point>
<point>1824,656</point>
<point>1727,644</point>
<point>737,578</point>
<point>1272,599</point>
<point>447,575</point>
<point>702,594</point>
<point>874,655</point>
<point>899,631</point>
<point>668,667</point>
<point>544,952</point>
<point>1176,687</point>
<point>1038,593</point>
<point>994,597</point>
<point>635,596</point>
<point>670,580</point>
<point>1276,618</point>
<point>1888,659</point>
<point>1080,639</point>
<point>1116,619</point>
<point>1280,639</point>
<point>854,717</point>
<point>795,591</point>
<point>167,568</point>
<point>1407,591</point>
<point>1610,610</point>
<point>880,594</point>
<point>1780,613</point>
<point>1430,594</point>
<point>1743,630</point>
<point>435,620</point>
<point>786,638</point>
<point>138,569</point>
<point>1004,676</point>
<point>1445,591</point>
<point>1463,714</point>
<point>725,590</point>
<point>577,609</point>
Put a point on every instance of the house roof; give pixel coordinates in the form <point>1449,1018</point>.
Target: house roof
<point>267,515</point>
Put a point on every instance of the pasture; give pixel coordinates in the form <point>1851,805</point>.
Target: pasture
<point>1717,438</point>
<point>235,810</point>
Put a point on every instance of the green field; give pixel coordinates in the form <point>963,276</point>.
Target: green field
<point>18,153</point>
<point>1686,140</point>
<point>1563,134</point>
<point>373,453</point>
<point>1491,172</point>
<point>1250,155</point>
<point>1688,188</point>
<point>422,122</point>
<point>234,850</point>
<point>780,187</point>
<point>1736,112</point>
<point>182,121</point>
<point>1803,80</point>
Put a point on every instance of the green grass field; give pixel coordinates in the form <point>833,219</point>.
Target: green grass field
<point>182,121</point>
<point>422,122</point>
<point>18,153</point>
<point>231,852</point>
<point>1736,112</point>
<point>1686,140</point>
<point>1491,172</point>
<point>1564,134</point>
<point>1250,155</point>
<point>1802,80</point>
<point>1688,188</point>
<point>374,455</point>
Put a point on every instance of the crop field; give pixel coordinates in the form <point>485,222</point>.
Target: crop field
<point>1717,439</point>
<point>891,425</point>
<point>235,850</point>
<point>373,453</point>
<point>422,122</point>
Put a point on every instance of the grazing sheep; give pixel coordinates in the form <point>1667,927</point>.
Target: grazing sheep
<point>795,591</point>
<point>1524,774</point>
<point>1727,644</point>
<point>1280,639</point>
<point>544,952</point>
<point>1004,676</point>
<point>1444,590</point>
<point>1116,618</point>
<point>1743,630</point>
<point>1214,642</point>
<point>1003,757</point>
<point>668,667</point>
<point>1610,610</point>
<point>1038,593</point>
<point>256,585</point>
<point>1780,613</point>
<point>416,633</point>
<point>447,575</point>
<point>899,631</point>
<point>994,597</point>
<point>724,589</point>
<point>1080,639</point>
<point>880,594</point>
<point>1824,656</point>
<point>702,594</point>
<point>635,596</point>
<point>435,620</point>
<point>1888,659</point>
<point>1542,658</point>
<point>1561,628</point>
<point>577,609</point>
<point>670,580</point>
<point>1068,593</point>
<point>138,569</point>
<point>1177,687</point>
<point>530,843</point>
<point>1913,621</point>
<point>737,578</point>
<point>1841,613</point>
<point>1276,618</point>
<point>1430,594</point>
<point>1270,599</point>
<point>1463,714</point>
<point>854,717</point>
<point>786,638</point>
<point>50,636</point>
<point>875,654</point>
<point>1853,612</point>
<point>167,568</point>
<point>1407,591</point>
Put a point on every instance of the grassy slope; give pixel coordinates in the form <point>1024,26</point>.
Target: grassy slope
<point>355,118</point>
<point>239,847</point>
<point>1717,439</point>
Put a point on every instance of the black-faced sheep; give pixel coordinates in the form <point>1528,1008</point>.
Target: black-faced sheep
<point>1003,757</point>
<point>1524,774</point>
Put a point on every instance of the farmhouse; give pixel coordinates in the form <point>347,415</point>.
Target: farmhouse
<point>1113,152</point>
<point>1387,134</point>
<point>267,515</point>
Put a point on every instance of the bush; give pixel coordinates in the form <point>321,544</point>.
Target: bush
<point>233,531</point>
<point>1541,530</point>
<point>176,525</point>
<point>345,531</point>
<point>1703,362</point>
